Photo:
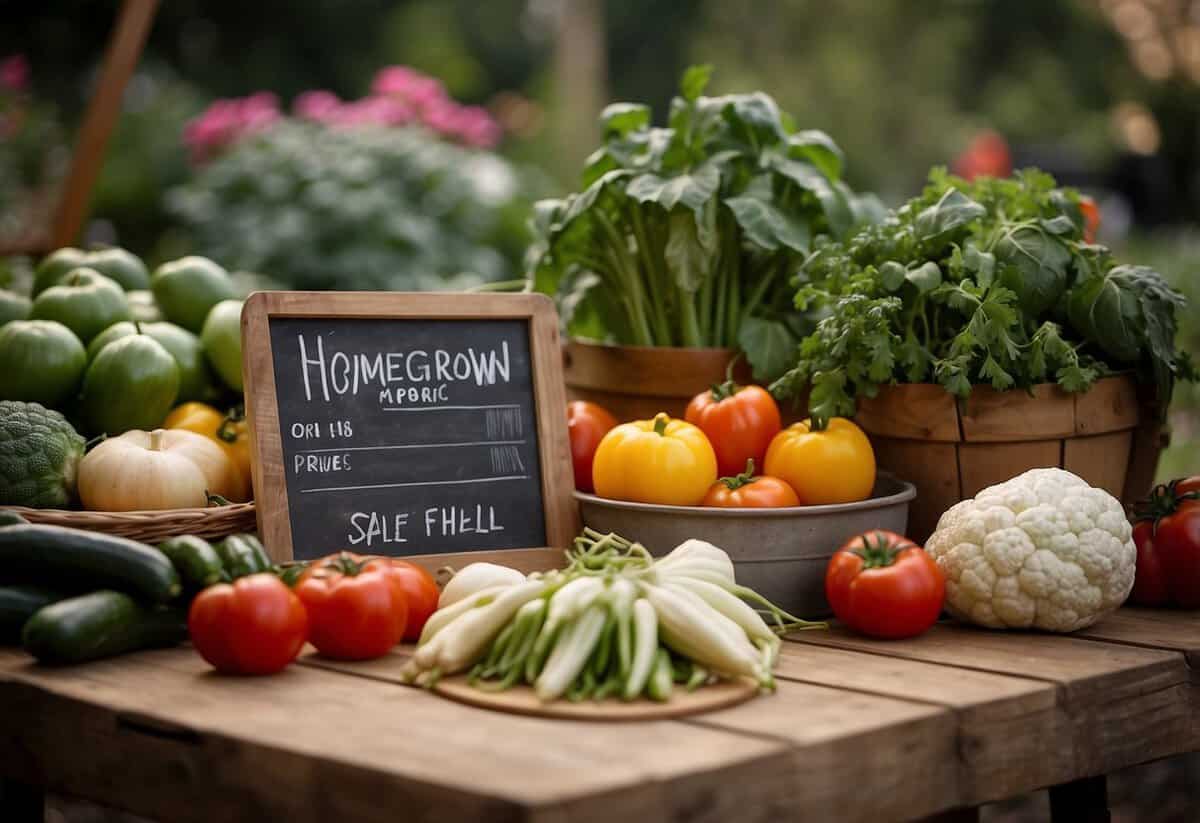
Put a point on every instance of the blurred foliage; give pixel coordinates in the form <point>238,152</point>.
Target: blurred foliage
<point>363,208</point>
<point>1176,254</point>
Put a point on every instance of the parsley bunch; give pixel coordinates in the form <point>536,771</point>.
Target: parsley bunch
<point>984,282</point>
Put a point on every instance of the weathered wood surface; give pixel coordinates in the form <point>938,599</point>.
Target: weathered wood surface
<point>858,730</point>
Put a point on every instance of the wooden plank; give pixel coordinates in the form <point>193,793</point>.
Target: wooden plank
<point>834,732</point>
<point>1109,405</point>
<point>160,734</point>
<point>985,464</point>
<point>667,372</point>
<point>1125,705</point>
<point>1012,734</point>
<point>912,411</point>
<point>1044,413</point>
<point>1170,629</point>
<point>1101,460</point>
<point>908,750</point>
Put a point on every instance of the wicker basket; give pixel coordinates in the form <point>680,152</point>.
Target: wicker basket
<point>151,526</point>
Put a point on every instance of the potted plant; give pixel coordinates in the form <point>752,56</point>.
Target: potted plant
<point>679,248</point>
<point>979,331</point>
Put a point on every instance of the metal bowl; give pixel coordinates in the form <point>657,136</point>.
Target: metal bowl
<point>780,553</point>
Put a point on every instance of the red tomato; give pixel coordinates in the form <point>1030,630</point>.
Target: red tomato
<point>256,625</point>
<point>883,585</point>
<point>422,593</point>
<point>357,609</point>
<point>745,491</point>
<point>739,422</point>
<point>587,423</point>
<point>1091,218</point>
<point>1167,536</point>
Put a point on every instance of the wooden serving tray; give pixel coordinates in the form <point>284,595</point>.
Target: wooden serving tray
<point>522,700</point>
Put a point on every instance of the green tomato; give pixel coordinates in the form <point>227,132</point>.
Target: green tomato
<point>142,306</point>
<point>40,361</point>
<point>55,266</point>
<point>187,288</point>
<point>13,307</point>
<point>132,384</point>
<point>195,378</point>
<point>86,302</point>
<point>126,269</point>
<point>222,339</point>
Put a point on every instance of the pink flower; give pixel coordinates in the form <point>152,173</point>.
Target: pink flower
<point>478,128</point>
<point>321,106</point>
<point>409,86</point>
<point>225,122</point>
<point>14,73</point>
<point>442,117</point>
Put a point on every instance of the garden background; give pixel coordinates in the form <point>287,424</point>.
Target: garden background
<point>272,179</point>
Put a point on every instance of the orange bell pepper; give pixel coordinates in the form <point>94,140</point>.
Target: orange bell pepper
<point>227,430</point>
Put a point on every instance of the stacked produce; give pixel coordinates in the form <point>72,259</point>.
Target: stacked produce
<point>104,348</point>
<point>991,282</point>
<point>69,595</point>
<point>710,459</point>
<point>614,623</point>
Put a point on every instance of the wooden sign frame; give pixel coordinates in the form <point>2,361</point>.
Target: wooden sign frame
<point>549,395</point>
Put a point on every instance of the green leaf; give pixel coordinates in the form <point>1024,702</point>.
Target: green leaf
<point>619,119</point>
<point>925,277</point>
<point>689,264</point>
<point>1034,265</point>
<point>753,119</point>
<point>981,264</point>
<point>828,398</point>
<point>769,347</point>
<point>691,190</point>
<point>994,373</point>
<point>695,81</point>
<point>953,211</point>
<point>805,175</point>
<point>892,275</point>
<point>767,226</point>
<point>1061,225</point>
<point>818,148</point>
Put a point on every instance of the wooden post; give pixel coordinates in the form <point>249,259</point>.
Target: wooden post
<point>124,49</point>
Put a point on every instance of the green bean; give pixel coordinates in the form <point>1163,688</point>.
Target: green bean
<point>603,652</point>
<point>698,678</point>
<point>659,685</point>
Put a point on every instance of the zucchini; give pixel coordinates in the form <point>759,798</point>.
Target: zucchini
<point>68,558</point>
<point>9,517</point>
<point>100,624</point>
<point>194,558</point>
<point>242,555</point>
<point>18,604</point>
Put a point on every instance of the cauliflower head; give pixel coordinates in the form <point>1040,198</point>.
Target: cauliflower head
<point>1044,550</point>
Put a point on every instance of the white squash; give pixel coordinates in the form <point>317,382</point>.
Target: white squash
<point>162,469</point>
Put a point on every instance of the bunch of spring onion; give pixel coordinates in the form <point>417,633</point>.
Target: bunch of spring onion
<point>615,622</point>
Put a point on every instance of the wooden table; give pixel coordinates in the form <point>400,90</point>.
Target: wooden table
<point>858,730</point>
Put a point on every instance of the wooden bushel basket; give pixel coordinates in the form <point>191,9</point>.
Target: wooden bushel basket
<point>1110,436</point>
<point>638,382</point>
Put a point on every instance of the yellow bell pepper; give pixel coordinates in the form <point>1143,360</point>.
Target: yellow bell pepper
<point>664,461</point>
<point>227,430</point>
<point>831,465</point>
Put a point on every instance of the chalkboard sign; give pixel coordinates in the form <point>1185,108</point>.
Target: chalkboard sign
<point>406,424</point>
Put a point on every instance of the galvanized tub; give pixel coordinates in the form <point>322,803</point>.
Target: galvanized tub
<point>780,553</point>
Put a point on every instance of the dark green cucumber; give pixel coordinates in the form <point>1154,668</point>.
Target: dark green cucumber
<point>10,518</point>
<point>70,558</point>
<point>18,604</point>
<point>100,624</point>
<point>241,556</point>
<point>194,558</point>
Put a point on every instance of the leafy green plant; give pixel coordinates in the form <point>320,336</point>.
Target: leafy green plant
<point>363,207</point>
<point>686,235</point>
<point>988,282</point>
